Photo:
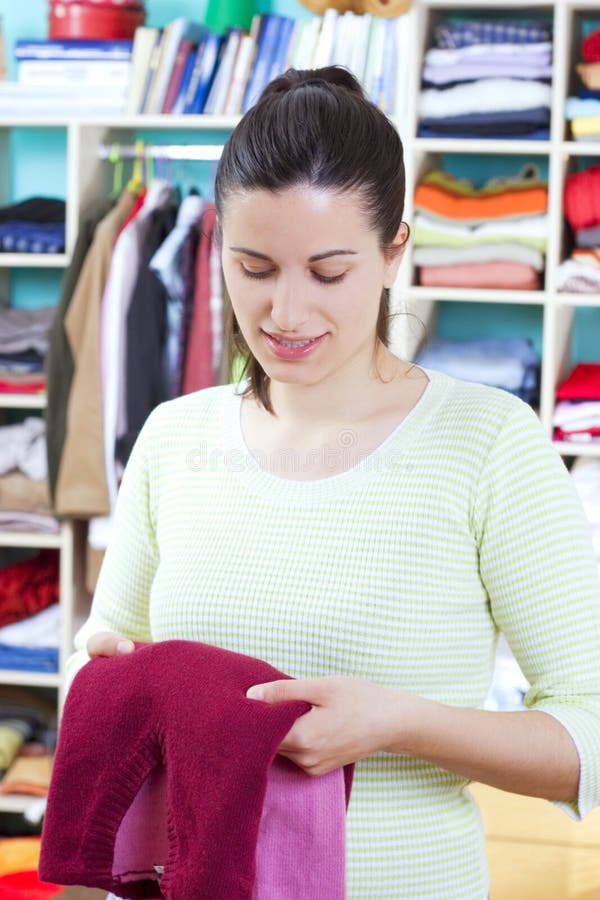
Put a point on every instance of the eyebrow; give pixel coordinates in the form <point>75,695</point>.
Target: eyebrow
<point>315,258</point>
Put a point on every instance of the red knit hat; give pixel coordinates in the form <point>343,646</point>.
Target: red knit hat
<point>169,722</point>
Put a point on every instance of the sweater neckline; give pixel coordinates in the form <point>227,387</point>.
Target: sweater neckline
<point>388,455</point>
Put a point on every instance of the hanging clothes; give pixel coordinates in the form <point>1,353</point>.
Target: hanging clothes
<point>59,360</point>
<point>81,489</point>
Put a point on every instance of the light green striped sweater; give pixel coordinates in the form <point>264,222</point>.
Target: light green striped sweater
<point>401,569</point>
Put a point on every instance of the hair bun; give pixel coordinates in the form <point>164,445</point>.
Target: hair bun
<point>294,79</point>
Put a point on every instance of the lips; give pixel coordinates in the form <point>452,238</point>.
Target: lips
<point>298,348</point>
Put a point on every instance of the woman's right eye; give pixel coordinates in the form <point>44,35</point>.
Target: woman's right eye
<point>256,273</point>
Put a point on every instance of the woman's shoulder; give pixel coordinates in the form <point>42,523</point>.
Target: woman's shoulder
<point>199,406</point>
<point>187,419</point>
<point>478,414</point>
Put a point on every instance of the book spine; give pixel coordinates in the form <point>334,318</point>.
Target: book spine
<point>117,50</point>
<point>179,104</point>
<point>208,69</point>
<point>215,101</point>
<point>183,53</point>
<point>58,72</point>
<point>239,80</point>
<point>265,52</point>
<point>152,70</point>
<point>286,30</point>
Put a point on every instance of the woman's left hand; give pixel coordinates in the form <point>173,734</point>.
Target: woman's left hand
<point>350,719</point>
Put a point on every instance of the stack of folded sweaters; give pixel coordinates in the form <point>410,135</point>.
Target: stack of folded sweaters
<point>580,273</point>
<point>577,411</point>
<point>583,109</point>
<point>508,363</point>
<point>487,79</point>
<point>488,237</point>
<point>36,225</point>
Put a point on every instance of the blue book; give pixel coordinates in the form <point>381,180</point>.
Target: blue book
<point>265,54</point>
<point>83,50</point>
<point>208,66</point>
<point>179,104</point>
<point>388,72</point>
<point>283,45</point>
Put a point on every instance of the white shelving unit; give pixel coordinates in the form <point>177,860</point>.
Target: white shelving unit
<point>559,152</point>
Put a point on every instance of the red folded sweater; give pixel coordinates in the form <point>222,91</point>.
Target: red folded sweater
<point>166,729</point>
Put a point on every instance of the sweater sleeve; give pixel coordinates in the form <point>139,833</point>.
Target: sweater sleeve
<point>538,567</point>
<point>121,598</point>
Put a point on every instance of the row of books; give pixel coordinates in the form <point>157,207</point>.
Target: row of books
<point>186,69</point>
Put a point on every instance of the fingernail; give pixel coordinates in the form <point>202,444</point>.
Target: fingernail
<point>124,647</point>
<point>255,693</point>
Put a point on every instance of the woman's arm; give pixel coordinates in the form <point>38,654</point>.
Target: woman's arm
<point>526,752</point>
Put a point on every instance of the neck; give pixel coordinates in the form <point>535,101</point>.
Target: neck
<point>348,396</point>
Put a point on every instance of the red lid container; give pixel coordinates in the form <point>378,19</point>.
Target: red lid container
<point>93,21</point>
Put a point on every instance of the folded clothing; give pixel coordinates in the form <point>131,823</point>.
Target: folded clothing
<point>28,586</point>
<point>581,200</point>
<point>582,383</point>
<point>28,775</point>
<point>35,209</point>
<point>28,659</point>
<point>590,47</point>
<point>29,237</point>
<point>487,94</point>
<point>25,329</point>
<point>432,255</point>
<point>531,231</point>
<point>491,31</point>
<point>443,199</point>
<point>19,493</point>
<point>200,697</point>
<point>10,520</point>
<point>23,447</point>
<point>508,363</point>
<point>494,275</point>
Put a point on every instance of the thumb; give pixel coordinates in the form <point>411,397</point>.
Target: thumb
<point>282,691</point>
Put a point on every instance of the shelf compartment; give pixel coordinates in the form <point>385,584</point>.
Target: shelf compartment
<point>481,146</point>
<point>17,803</point>
<point>30,679</point>
<point>34,539</point>
<point>475,295</point>
<point>574,448</point>
<point>23,401</point>
<point>34,260</point>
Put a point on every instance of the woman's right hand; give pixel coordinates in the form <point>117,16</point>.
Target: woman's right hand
<point>107,643</point>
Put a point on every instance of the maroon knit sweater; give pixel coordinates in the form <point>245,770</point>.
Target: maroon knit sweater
<point>180,707</point>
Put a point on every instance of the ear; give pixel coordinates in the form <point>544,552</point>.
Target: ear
<point>394,253</point>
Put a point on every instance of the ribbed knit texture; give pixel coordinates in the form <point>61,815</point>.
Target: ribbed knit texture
<point>123,725</point>
<point>401,569</point>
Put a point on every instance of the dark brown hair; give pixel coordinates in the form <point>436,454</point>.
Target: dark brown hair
<point>315,127</point>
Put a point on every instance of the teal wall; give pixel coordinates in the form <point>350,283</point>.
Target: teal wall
<point>37,166</point>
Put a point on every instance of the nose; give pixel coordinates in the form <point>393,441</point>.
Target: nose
<point>288,311</point>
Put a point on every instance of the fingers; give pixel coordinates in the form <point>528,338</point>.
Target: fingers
<point>107,643</point>
<point>286,690</point>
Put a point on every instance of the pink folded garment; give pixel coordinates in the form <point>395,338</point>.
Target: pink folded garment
<point>509,275</point>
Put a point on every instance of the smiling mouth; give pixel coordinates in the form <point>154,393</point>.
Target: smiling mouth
<point>289,349</point>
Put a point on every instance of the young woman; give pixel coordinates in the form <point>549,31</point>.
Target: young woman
<point>362,524</point>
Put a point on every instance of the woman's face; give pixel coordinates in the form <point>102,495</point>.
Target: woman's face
<point>305,274</point>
